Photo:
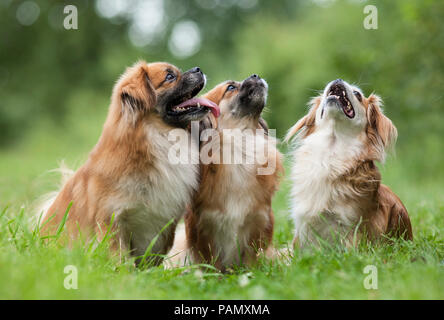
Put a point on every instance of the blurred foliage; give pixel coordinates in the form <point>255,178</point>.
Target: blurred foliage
<point>298,46</point>
<point>42,65</point>
<point>403,60</point>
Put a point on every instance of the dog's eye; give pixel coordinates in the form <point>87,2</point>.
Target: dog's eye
<point>170,77</point>
<point>231,87</point>
<point>358,95</point>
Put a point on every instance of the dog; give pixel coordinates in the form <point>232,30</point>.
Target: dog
<point>128,176</point>
<point>337,191</point>
<point>231,219</point>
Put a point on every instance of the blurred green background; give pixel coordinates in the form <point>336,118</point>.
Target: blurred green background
<point>55,86</point>
<point>55,83</point>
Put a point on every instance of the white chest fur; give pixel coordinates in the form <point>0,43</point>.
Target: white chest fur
<point>230,233</point>
<point>153,199</point>
<point>232,228</point>
<point>319,203</point>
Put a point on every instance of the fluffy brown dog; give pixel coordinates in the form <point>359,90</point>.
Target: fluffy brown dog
<point>231,218</point>
<point>336,185</point>
<point>128,173</point>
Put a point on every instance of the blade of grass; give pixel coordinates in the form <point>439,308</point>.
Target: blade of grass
<point>3,212</point>
<point>152,243</point>
<point>62,223</point>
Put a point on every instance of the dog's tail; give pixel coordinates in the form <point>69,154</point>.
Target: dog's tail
<point>46,201</point>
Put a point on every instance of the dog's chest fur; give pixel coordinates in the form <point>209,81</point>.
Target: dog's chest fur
<point>230,229</point>
<point>154,197</point>
<point>321,200</point>
<point>242,215</point>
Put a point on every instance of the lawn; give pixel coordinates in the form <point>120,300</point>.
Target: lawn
<point>34,269</point>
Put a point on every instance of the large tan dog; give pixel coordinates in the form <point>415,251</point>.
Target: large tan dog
<point>337,187</point>
<point>128,173</point>
<point>231,219</point>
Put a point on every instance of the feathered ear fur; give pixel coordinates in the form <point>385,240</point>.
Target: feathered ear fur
<point>135,91</point>
<point>307,122</point>
<point>380,129</point>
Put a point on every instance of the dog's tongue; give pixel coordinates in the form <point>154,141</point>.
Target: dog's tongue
<point>214,108</point>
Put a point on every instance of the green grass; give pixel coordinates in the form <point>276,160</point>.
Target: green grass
<point>31,268</point>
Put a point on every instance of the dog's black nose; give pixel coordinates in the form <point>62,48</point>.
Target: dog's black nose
<point>196,70</point>
<point>255,77</point>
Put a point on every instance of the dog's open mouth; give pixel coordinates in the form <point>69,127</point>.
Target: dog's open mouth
<point>338,92</point>
<point>195,105</point>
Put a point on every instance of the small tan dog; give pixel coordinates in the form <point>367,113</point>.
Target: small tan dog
<point>336,184</point>
<point>128,173</point>
<point>231,219</point>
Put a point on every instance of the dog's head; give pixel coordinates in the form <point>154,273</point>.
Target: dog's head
<point>241,100</point>
<point>345,109</point>
<point>162,88</point>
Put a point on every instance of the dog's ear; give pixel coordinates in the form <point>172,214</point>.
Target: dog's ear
<point>137,94</point>
<point>263,125</point>
<point>380,129</point>
<point>307,122</point>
